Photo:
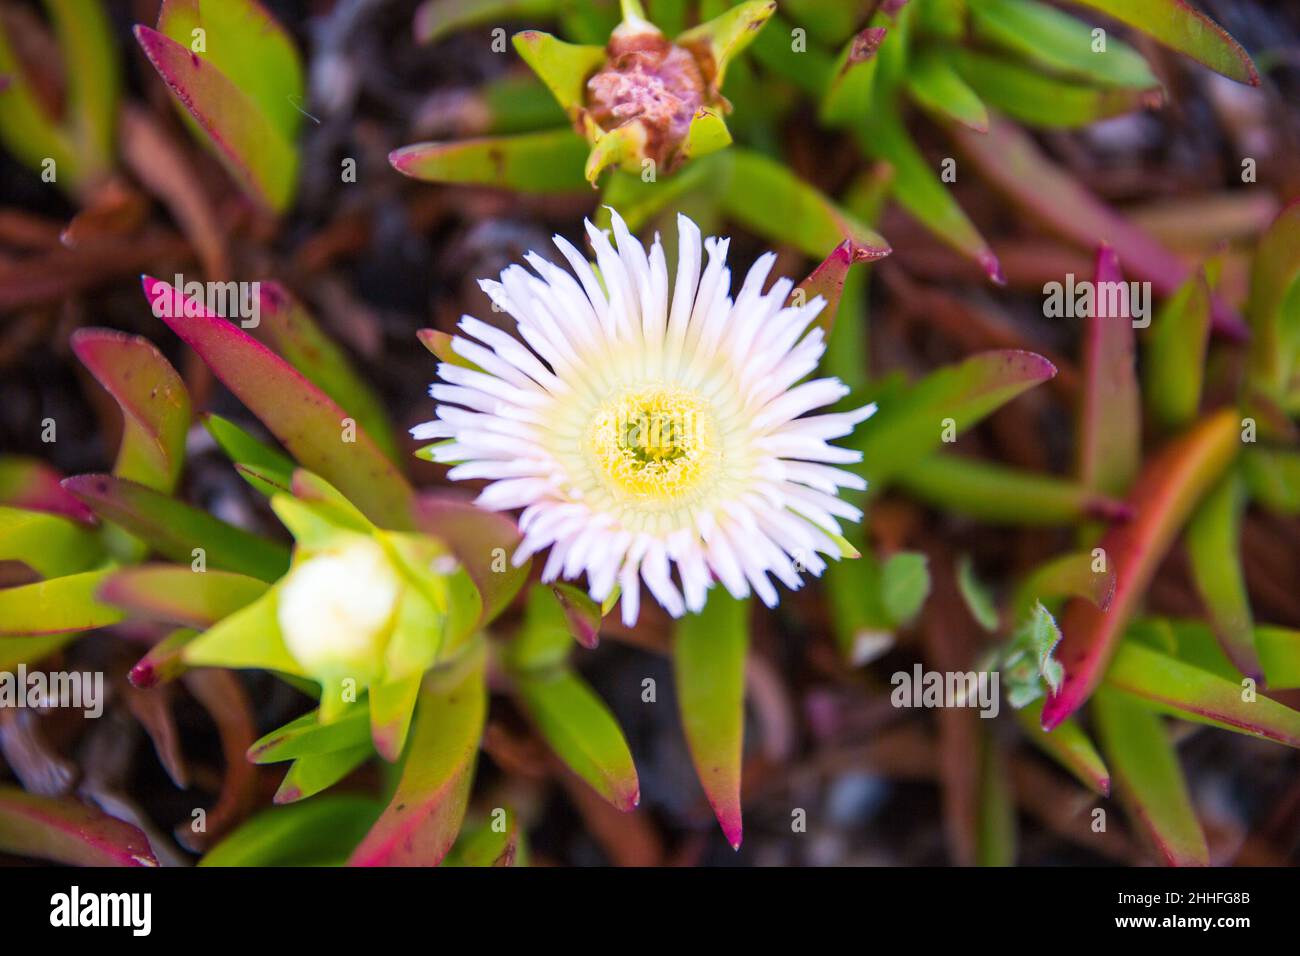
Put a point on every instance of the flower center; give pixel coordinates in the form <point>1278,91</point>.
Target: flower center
<point>654,442</point>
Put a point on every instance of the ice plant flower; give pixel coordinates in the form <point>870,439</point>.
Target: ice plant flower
<point>640,431</point>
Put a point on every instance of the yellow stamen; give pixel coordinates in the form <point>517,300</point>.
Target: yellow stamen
<point>653,443</point>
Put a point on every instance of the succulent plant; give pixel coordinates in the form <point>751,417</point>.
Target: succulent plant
<point>644,433</point>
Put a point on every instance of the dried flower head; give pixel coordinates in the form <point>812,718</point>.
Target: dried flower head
<point>649,81</point>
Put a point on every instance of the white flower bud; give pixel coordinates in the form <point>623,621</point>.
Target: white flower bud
<point>335,609</point>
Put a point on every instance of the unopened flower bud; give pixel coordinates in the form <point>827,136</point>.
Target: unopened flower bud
<point>336,607</point>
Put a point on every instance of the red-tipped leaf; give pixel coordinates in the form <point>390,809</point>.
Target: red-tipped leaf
<point>1162,499</point>
<point>315,430</point>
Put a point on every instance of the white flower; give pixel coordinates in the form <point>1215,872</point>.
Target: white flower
<point>336,607</point>
<point>638,435</point>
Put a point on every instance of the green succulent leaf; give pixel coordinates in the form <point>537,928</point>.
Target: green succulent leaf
<point>246,44</point>
<point>1053,39</point>
<point>1275,306</point>
<point>1068,745</point>
<point>257,155</point>
<point>904,584</point>
<point>911,425</point>
<point>1181,689</point>
<point>1110,436</point>
<point>1081,574</point>
<point>849,92</point>
<point>1042,101</point>
<point>177,594</point>
<point>175,529</point>
<point>919,190</point>
<point>995,823</point>
<point>50,544</point>
<point>249,638</point>
<point>420,823</point>
<point>579,727</point>
<point>589,22</point>
<point>1214,546</point>
<point>1178,26</point>
<point>435,19</point>
<point>563,67</point>
<point>64,830</point>
<point>237,74</point>
<point>1162,499</point>
<point>935,83</point>
<point>979,600</point>
<point>639,202</point>
<point>266,469</point>
<point>513,103</point>
<point>287,327</point>
<point>81,141</point>
<point>1279,653</point>
<point>1193,642</point>
<point>863,627</point>
<point>26,650</point>
<point>1273,477</point>
<point>827,21</point>
<point>307,736</point>
<point>709,663</point>
<point>544,640</point>
<point>154,402</point>
<point>491,844</point>
<point>62,604</point>
<point>1175,354</point>
<point>996,494</point>
<point>1148,779</point>
<point>547,162</point>
<point>792,211</point>
<point>28,131</point>
<point>720,40</point>
<point>313,773</point>
<point>319,832</point>
<point>811,70</point>
<point>302,417</point>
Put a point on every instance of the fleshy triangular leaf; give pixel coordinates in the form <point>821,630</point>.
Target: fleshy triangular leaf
<point>720,40</point>
<point>154,402</point>
<point>709,663</point>
<point>248,638</point>
<point>563,67</point>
